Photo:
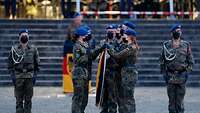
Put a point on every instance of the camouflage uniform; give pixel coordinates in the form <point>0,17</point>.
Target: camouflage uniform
<point>128,57</point>
<point>109,104</point>
<point>23,73</point>
<point>80,75</point>
<point>119,45</point>
<point>175,72</point>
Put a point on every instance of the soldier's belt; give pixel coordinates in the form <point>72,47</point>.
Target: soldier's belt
<point>130,65</point>
<point>176,71</point>
<point>24,70</point>
<point>113,66</point>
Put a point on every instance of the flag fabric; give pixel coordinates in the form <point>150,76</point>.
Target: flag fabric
<point>100,78</point>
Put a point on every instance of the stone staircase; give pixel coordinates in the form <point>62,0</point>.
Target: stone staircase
<point>49,35</point>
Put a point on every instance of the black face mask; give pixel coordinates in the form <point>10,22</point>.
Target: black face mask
<point>118,35</point>
<point>110,35</point>
<point>121,32</point>
<point>124,40</point>
<point>176,35</point>
<point>88,38</point>
<point>75,37</point>
<point>24,39</point>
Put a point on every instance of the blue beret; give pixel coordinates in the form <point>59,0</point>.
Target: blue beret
<point>129,24</point>
<point>87,28</point>
<point>76,14</point>
<point>23,31</point>
<point>174,27</point>
<point>112,26</point>
<point>130,32</point>
<point>81,31</point>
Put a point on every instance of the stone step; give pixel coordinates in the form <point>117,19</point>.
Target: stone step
<point>163,32</point>
<point>49,35</point>
<point>162,83</point>
<point>102,21</point>
<point>58,48</point>
<point>59,43</point>
<point>190,37</point>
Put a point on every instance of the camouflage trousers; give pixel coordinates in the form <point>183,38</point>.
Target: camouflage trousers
<point>109,104</point>
<point>126,86</point>
<point>80,97</point>
<point>176,93</point>
<point>23,93</point>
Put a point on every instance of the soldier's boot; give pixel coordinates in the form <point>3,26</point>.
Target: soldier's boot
<point>19,105</point>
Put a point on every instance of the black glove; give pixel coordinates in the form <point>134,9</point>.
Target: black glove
<point>34,77</point>
<point>106,46</point>
<point>162,69</point>
<point>13,78</point>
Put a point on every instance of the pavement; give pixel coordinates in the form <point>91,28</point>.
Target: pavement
<point>52,100</point>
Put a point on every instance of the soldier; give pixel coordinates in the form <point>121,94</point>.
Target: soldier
<point>82,55</point>
<point>176,62</point>
<point>109,104</point>
<point>91,43</point>
<point>128,57</point>
<point>118,45</point>
<point>23,62</point>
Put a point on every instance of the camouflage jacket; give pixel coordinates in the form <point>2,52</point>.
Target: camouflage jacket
<point>23,62</point>
<point>82,59</point>
<point>127,55</point>
<point>183,58</point>
<point>111,63</point>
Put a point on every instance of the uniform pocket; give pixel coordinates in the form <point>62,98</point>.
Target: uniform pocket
<point>178,78</point>
<point>129,76</point>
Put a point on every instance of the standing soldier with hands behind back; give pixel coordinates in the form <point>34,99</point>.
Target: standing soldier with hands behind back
<point>176,62</point>
<point>23,62</point>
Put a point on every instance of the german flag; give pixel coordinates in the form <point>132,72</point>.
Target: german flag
<point>100,78</point>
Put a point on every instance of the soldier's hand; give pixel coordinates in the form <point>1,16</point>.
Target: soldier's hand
<point>106,46</point>
<point>34,78</point>
<point>189,69</point>
<point>13,78</point>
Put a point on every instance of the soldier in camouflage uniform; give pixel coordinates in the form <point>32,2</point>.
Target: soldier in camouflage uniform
<point>176,62</point>
<point>82,55</point>
<point>23,64</point>
<point>109,104</point>
<point>128,57</point>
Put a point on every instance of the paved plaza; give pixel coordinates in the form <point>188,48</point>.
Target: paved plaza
<point>52,100</point>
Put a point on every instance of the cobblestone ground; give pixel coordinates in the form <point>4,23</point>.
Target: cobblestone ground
<point>52,100</point>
